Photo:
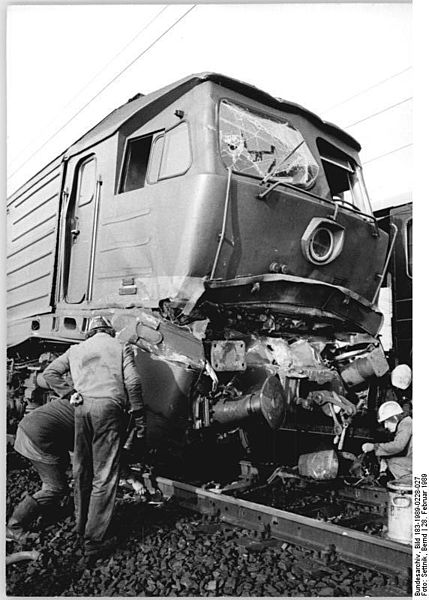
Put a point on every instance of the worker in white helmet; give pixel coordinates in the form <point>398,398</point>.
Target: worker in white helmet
<point>401,378</point>
<point>396,456</point>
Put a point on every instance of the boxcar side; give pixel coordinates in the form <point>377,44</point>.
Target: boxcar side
<point>32,224</point>
<point>399,281</point>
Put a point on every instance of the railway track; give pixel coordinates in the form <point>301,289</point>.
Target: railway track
<point>328,540</point>
<point>239,548</point>
<point>358,508</point>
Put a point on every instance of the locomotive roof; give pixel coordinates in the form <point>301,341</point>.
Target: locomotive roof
<point>110,124</point>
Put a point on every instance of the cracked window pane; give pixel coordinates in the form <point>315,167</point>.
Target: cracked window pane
<point>259,145</point>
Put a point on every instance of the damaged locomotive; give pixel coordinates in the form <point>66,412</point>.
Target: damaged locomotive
<point>229,236</point>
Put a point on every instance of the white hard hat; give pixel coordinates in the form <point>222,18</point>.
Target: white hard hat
<point>401,377</point>
<point>388,409</point>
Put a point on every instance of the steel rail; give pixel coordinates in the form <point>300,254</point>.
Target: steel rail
<point>375,497</point>
<point>385,556</point>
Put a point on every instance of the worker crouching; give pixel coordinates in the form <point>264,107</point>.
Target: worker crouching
<point>395,456</point>
<point>45,437</point>
<point>106,384</point>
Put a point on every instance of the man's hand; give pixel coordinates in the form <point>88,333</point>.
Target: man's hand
<point>367,447</point>
<point>138,487</point>
<point>76,399</point>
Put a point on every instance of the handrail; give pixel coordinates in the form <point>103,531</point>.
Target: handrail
<point>225,216</point>
<point>386,264</point>
<point>94,240</point>
<point>278,182</point>
<point>63,208</point>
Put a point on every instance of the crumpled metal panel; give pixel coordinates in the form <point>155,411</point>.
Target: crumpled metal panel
<point>300,359</point>
<point>162,339</point>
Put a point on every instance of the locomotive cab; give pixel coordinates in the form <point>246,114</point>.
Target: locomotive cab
<point>230,237</point>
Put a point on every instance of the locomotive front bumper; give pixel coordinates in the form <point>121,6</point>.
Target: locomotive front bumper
<point>297,296</point>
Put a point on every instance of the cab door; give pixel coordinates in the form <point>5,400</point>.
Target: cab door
<point>82,189</point>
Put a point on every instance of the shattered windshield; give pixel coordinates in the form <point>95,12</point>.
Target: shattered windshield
<point>259,145</point>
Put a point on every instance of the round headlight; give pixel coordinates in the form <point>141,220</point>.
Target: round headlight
<point>321,244</point>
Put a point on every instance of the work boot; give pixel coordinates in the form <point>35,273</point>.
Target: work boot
<point>23,515</point>
<point>54,511</point>
<point>99,549</point>
<point>95,550</point>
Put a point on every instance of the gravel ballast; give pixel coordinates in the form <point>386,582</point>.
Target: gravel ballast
<point>167,551</point>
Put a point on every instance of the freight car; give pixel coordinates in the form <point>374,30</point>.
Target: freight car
<point>230,237</point>
<point>397,286</point>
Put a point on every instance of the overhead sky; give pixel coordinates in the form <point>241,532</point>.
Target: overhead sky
<point>342,61</point>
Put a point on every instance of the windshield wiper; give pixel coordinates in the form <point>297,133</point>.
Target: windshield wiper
<point>272,172</point>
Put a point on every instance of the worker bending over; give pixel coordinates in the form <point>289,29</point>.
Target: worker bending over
<point>44,436</point>
<point>396,456</point>
<point>107,384</point>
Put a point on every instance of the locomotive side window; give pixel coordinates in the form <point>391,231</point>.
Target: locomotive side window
<point>171,154</point>
<point>260,145</point>
<point>155,159</point>
<point>409,248</point>
<point>86,184</point>
<point>136,162</point>
<point>150,158</point>
<point>344,177</point>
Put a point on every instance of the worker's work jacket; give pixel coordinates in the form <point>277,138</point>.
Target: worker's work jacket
<point>398,453</point>
<point>100,367</point>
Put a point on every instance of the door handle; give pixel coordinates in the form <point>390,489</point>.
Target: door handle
<point>75,232</point>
